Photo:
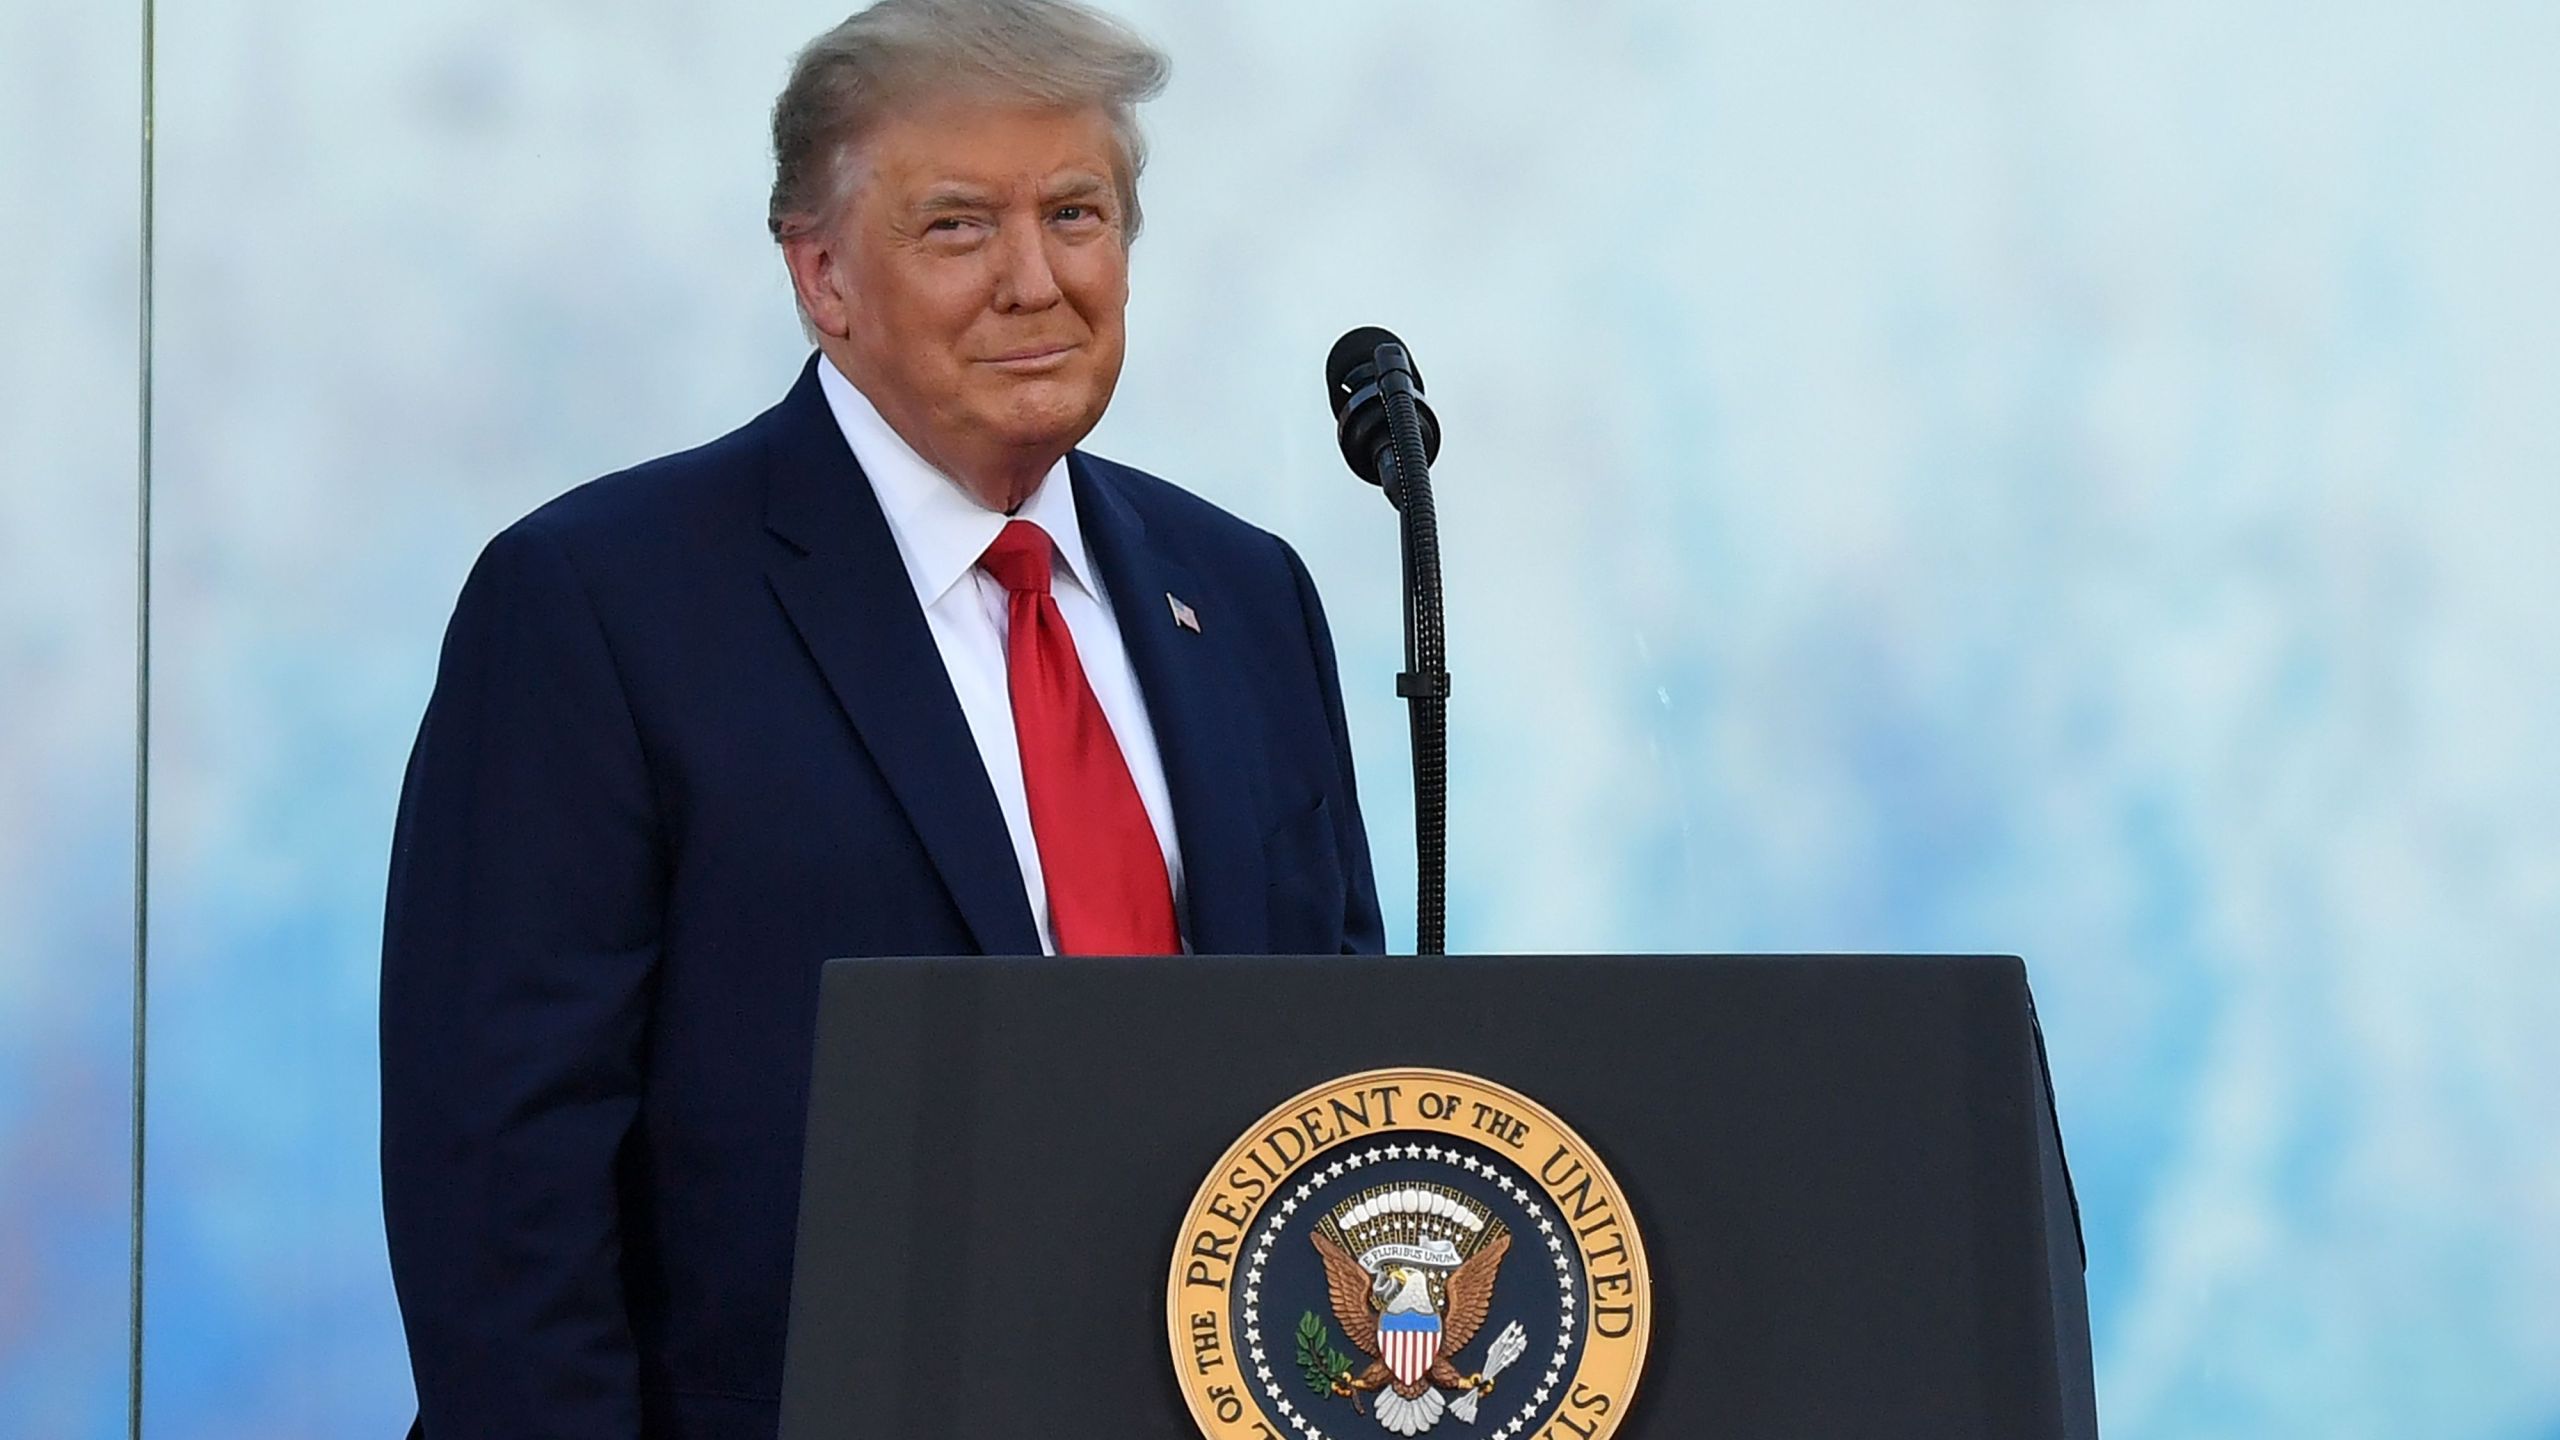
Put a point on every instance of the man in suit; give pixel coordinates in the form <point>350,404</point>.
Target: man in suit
<point>893,670</point>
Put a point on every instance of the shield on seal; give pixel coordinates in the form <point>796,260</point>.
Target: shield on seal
<point>1409,1342</point>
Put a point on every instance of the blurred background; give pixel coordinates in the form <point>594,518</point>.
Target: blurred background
<point>2066,478</point>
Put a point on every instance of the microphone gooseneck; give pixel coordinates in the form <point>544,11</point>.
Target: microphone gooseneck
<point>1390,437</point>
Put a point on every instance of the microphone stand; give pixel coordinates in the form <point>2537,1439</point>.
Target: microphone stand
<point>1405,474</point>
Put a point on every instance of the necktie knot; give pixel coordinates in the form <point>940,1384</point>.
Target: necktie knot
<point>1019,558</point>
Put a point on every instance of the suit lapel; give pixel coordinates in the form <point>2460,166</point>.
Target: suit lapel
<point>1195,705</point>
<point>847,593</point>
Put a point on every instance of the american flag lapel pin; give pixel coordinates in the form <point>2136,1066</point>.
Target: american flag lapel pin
<point>1183,615</point>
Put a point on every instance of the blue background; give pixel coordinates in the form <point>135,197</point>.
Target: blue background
<point>2068,478</point>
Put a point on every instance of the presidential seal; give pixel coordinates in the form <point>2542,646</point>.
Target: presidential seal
<point>1409,1251</point>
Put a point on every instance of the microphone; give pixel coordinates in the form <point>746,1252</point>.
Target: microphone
<point>1367,368</point>
<point>1390,437</point>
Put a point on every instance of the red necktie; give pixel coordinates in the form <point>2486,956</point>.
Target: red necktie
<point>1098,853</point>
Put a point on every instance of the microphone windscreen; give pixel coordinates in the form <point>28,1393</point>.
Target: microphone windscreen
<point>1352,351</point>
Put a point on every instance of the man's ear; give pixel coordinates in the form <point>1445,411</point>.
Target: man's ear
<point>816,280</point>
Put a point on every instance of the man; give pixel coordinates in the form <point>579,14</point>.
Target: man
<point>890,670</point>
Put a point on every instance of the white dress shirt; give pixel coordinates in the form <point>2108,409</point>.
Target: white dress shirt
<point>941,531</point>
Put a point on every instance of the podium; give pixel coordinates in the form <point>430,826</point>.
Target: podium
<point>1845,1170</point>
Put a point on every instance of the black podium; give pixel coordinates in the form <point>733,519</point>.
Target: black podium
<point>1846,1170</point>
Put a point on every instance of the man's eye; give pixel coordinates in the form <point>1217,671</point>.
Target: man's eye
<point>1074,213</point>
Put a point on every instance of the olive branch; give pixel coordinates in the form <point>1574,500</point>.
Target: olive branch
<point>1323,1366</point>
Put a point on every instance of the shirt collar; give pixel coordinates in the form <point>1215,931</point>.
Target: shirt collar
<point>940,528</point>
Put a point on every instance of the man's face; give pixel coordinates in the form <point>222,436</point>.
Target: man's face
<point>979,276</point>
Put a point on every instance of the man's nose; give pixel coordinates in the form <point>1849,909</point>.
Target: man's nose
<point>1024,279</point>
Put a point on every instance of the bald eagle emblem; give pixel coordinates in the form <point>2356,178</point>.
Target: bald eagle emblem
<point>1420,1193</point>
<point>1410,1269</point>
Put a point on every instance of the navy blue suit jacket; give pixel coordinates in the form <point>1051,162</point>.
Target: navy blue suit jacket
<point>690,738</point>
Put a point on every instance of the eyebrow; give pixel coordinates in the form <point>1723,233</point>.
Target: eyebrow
<point>1077,186</point>
<point>942,199</point>
<point>953,197</point>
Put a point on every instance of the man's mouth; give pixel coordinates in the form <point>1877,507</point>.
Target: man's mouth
<point>1031,359</point>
